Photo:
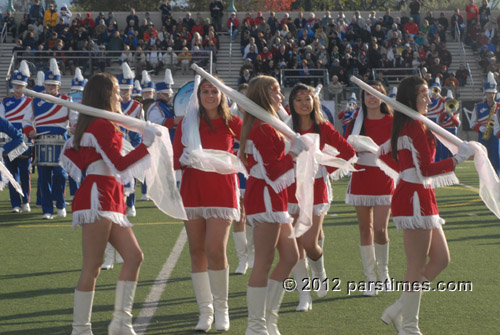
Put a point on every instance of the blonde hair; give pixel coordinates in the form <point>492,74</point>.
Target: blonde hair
<point>259,91</point>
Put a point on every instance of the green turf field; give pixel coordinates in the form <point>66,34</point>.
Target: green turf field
<point>40,263</point>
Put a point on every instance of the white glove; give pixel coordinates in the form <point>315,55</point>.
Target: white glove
<point>482,129</point>
<point>464,152</point>
<point>185,158</point>
<point>149,134</point>
<point>298,145</point>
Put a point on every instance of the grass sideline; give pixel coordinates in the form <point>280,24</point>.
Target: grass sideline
<point>40,263</point>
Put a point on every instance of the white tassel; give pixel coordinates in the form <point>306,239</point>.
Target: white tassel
<point>78,74</point>
<point>24,69</point>
<point>168,77</point>
<point>127,72</point>
<point>40,78</point>
<point>145,77</point>
<point>54,68</point>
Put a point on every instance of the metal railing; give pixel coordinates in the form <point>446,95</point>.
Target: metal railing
<point>288,77</point>
<point>3,35</point>
<point>107,60</point>
<point>394,75</point>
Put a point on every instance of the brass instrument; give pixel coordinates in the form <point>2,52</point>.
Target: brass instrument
<point>490,123</point>
<point>451,106</point>
<point>436,90</point>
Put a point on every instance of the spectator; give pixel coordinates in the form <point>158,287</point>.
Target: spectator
<point>443,21</point>
<point>23,26</point>
<point>335,89</point>
<point>452,83</point>
<point>249,20</point>
<point>19,48</point>
<point>50,17</point>
<point>100,31</point>
<point>60,26</point>
<point>484,13</point>
<point>198,27</point>
<point>131,41</point>
<point>387,20</point>
<point>437,69</point>
<point>216,12</point>
<point>462,74</point>
<point>165,9</point>
<point>188,22</point>
<point>154,60</point>
<point>457,19</point>
<point>36,12</point>
<point>139,60</point>
<point>10,24</point>
<point>235,26</point>
<point>111,21</point>
<point>132,16</point>
<point>198,57</point>
<point>184,59</point>
<point>29,41</point>
<point>89,23</point>
<point>245,77</point>
<point>411,28</point>
<point>115,44</point>
<point>300,22</point>
<point>415,6</point>
<point>150,35</point>
<point>472,14</point>
<point>170,59</point>
<point>273,22</point>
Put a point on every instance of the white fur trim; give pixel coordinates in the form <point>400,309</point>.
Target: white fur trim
<point>70,167</point>
<point>321,209</point>
<point>440,180</point>
<point>417,221</point>
<point>124,177</point>
<point>278,185</point>
<point>339,173</point>
<point>212,212</point>
<point>368,200</point>
<point>293,209</point>
<point>17,151</point>
<point>274,217</point>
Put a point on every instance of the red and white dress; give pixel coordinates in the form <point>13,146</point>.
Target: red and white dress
<point>101,193</point>
<point>414,203</point>
<point>322,188</point>
<point>371,186</point>
<point>210,194</point>
<point>271,172</point>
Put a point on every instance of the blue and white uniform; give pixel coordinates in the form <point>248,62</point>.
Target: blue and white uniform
<point>479,119</point>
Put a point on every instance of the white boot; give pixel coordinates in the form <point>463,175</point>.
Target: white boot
<point>109,258</point>
<point>122,316</point>
<point>82,310</point>
<point>318,271</point>
<point>250,246</point>
<point>119,259</point>
<point>300,272</point>
<point>240,243</point>
<point>382,256</point>
<point>321,243</point>
<point>369,265</point>
<point>219,284</point>
<point>392,314</point>
<point>410,302</point>
<point>275,293</point>
<point>256,302</point>
<point>201,285</point>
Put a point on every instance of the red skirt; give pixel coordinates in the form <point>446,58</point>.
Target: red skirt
<point>371,187</point>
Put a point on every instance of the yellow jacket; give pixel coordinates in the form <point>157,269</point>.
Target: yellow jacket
<point>50,18</point>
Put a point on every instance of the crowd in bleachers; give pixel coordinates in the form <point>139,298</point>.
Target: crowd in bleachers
<point>175,44</point>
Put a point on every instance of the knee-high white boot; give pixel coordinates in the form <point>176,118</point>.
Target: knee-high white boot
<point>318,271</point>
<point>299,273</point>
<point>122,316</point>
<point>250,246</point>
<point>109,257</point>
<point>369,265</point>
<point>275,293</point>
<point>256,302</point>
<point>219,284</point>
<point>240,243</point>
<point>410,303</point>
<point>382,256</point>
<point>203,294</point>
<point>82,310</point>
<point>393,314</point>
<point>119,259</point>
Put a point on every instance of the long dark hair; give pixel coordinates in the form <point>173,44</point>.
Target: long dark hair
<point>315,115</point>
<point>222,109</point>
<point>97,94</point>
<point>407,95</point>
<point>384,108</point>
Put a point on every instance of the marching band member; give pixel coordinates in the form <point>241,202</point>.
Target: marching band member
<point>13,110</point>
<point>99,206</point>
<point>347,115</point>
<point>50,119</point>
<point>483,121</point>
<point>370,190</point>
<point>414,207</point>
<point>132,108</point>
<point>211,203</point>
<point>394,92</point>
<point>449,119</point>
<point>147,94</point>
<point>38,87</point>
<point>137,91</point>
<point>242,235</point>
<point>162,111</point>
<point>77,84</point>
<point>262,149</point>
<point>308,118</point>
<point>436,109</point>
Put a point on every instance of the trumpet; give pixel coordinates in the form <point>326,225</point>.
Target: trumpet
<point>436,90</point>
<point>451,106</point>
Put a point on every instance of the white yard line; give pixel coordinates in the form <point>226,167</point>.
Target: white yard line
<point>150,305</point>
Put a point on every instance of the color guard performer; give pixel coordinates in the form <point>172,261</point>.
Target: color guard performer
<point>483,121</point>
<point>414,207</point>
<point>48,121</point>
<point>307,117</point>
<point>13,110</point>
<point>370,189</point>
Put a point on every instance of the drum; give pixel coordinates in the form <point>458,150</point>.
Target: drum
<point>182,97</point>
<point>48,149</point>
